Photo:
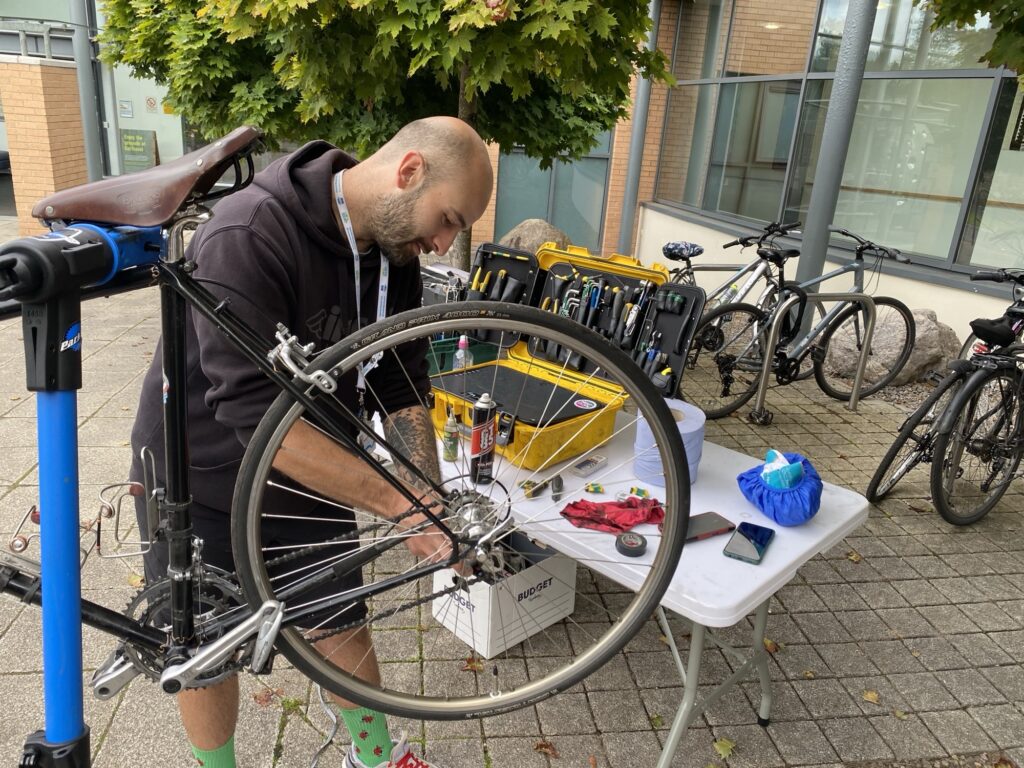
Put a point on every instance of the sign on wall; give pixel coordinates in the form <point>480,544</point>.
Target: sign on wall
<point>138,149</point>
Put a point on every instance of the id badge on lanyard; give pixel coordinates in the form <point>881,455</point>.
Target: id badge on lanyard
<point>366,439</point>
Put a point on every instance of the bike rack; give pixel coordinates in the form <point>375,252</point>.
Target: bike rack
<point>773,338</point>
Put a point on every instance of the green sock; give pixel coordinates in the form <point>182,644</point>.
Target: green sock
<point>222,757</point>
<point>371,739</point>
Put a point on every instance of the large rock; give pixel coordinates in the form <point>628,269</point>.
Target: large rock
<point>531,234</point>
<point>935,344</point>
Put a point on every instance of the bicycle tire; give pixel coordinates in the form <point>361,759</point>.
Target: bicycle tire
<point>571,649</point>
<point>831,367</point>
<point>897,463</point>
<point>979,405</point>
<point>723,364</point>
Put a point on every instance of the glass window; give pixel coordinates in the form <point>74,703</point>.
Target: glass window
<point>700,40</point>
<point>902,39</point>
<point>687,141</point>
<point>522,192</point>
<point>769,37</point>
<point>752,135</point>
<point>578,201</point>
<point>994,234</point>
<point>908,162</point>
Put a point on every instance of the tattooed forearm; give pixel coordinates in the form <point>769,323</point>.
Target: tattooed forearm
<point>411,432</point>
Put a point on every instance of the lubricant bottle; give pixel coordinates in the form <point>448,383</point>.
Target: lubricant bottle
<point>463,357</point>
<point>450,439</point>
<point>481,465</point>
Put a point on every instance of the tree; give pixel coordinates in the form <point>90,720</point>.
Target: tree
<point>1006,18</point>
<point>547,75</point>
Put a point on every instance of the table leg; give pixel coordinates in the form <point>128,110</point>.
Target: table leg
<point>761,662</point>
<point>687,710</point>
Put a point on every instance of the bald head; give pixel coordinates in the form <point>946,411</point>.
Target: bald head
<point>449,146</point>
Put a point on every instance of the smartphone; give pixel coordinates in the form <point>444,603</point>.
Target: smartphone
<point>707,524</point>
<point>589,465</point>
<point>749,542</point>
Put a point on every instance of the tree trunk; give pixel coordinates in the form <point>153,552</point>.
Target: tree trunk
<point>458,254</point>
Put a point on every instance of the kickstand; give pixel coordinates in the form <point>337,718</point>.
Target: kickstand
<point>333,717</point>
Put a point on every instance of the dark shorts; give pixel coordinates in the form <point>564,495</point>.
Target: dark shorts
<point>214,528</point>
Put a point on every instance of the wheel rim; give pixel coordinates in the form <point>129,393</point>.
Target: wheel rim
<point>518,676</point>
<point>840,359</point>
<point>724,362</point>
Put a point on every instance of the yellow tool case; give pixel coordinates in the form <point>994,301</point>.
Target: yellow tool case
<point>597,292</point>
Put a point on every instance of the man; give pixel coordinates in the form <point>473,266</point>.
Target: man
<point>282,250</point>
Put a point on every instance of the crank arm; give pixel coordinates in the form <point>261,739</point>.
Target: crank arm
<point>115,673</point>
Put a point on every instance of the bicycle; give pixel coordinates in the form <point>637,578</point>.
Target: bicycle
<point>727,357</point>
<point>738,285</point>
<point>121,234</point>
<point>915,441</point>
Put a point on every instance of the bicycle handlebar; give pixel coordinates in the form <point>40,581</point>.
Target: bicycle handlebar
<point>1015,276</point>
<point>771,230</point>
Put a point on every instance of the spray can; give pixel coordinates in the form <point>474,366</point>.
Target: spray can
<point>481,449</point>
<point>450,439</point>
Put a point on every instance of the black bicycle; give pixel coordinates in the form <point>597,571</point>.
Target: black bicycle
<point>915,442</point>
<point>199,625</point>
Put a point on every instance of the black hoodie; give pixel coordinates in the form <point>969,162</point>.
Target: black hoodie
<point>279,255</point>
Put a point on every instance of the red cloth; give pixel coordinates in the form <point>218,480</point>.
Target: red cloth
<point>613,516</point>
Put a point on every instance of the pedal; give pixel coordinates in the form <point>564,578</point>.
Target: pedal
<point>113,675</point>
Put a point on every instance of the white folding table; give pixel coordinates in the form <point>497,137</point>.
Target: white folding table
<point>709,589</point>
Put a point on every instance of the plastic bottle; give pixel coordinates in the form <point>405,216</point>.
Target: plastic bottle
<point>463,357</point>
<point>450,439</point>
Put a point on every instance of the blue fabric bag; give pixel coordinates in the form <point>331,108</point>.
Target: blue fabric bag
<point>786,506</point>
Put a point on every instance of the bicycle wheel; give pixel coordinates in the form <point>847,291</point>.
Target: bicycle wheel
<point>913,443</point>
<point>835,361</point>
<point>424,668</point>
<point>974,461</point>
<point>723,365</point>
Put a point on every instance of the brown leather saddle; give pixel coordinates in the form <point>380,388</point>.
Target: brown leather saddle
<point>151,197</point>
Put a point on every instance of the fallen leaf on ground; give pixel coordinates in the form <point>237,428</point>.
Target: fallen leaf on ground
<point>915,653</point>
<point>871,696</point>
<point>724,747</point>
<point>771,646</point>
<point>15,397</point>
<point>545,747</point>
<point>657,721</point>
<point>809,674</point>
<point>921,508</point>
<point>853,556</point>
<point>471,664</point>
<point>135,580</point>
<point>592,761</point>
<point>1003,763</point>
<point>899,714</point>
<point>264,696</point>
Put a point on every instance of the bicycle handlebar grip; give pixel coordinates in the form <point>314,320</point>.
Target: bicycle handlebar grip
<point>898,255</point>
<point>989,276</point>
<point>788,227</point>
<point>731,244</point>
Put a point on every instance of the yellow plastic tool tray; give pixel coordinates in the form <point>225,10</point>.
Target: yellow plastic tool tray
<point>548,428</point>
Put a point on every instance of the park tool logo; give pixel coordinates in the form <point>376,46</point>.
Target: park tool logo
<point>72,339</point>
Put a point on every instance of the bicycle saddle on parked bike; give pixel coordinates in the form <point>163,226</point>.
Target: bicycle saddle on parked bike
<point>996,332</point>
<point>151,197</point>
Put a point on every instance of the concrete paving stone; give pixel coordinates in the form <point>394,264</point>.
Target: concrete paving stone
<point>922,691</point>
<point>613,676</point>
<point>1014,609</point>
<point>980,650</point>
<point>694,750</point>
<point>624,750</point>
<point>970,687</point>
<point>957,731</point>
<point>795,660</point>
<point>578,750</point>
<point>906,622</point>
<point>888,697</point>
<point>880,595</point>
<point>567,713</point>
<point>1004,723</point>
<point>782,629</point>
<point>948,619</point>
<point>907,546</point>
<point>936,653</point>
<point>893,568</point>
<point>785,705</point>
<point>754,747</point>
<point>441,730</point>
<point>971,564</point>
<point>908,738</point>
<point>846,659</point>
<point>840,597</point>
<point>454,753</point>
<point>857,572</point>
<point>864,625</point>
<point>801,599</point>
<point>958,590</point>
<point>891,656</point>
<point>733,708</point>
<point>825,698</point>
<point>919,592</point>
<point>516,752</point>
<point>661,705</point>
<point>854,739</point>
<point>819,571</point>
<point>801,742</point>
<point>521,722</point>
<point>1011,642</point>
<point>990,617</point>
<point>616,711</point>
<point>1009,680</point>
<point>822,628</point>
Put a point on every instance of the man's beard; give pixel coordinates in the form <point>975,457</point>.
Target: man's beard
<point>393,225</point>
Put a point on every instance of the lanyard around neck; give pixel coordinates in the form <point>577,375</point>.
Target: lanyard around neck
<point>382,290</point>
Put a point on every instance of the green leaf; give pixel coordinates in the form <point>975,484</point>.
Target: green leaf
<point>724,747</point>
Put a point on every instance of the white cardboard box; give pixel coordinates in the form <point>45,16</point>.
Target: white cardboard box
<point>493,617</point>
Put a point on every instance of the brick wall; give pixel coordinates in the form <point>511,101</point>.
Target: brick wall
<point>483,230</point>
<point>44,130</point>
<point>756,50</point>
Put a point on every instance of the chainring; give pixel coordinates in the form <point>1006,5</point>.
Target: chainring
<point>150,606</point>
